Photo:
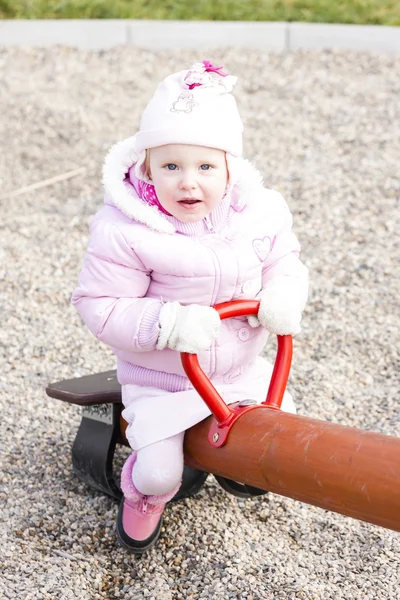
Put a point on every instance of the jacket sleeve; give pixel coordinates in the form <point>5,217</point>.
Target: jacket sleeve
<point>110,296</point>
<point>283,263</point>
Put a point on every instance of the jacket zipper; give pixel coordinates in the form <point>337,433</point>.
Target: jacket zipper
<point>218,270</point>
<point>217,265</point>
<point>213,357</point>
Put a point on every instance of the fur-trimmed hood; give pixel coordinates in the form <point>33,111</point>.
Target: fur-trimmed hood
<point>247,183</point>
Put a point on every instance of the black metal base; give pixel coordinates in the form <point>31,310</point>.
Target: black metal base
<point>94,447</point>
<point>192,482</point>
<point>241,490</point>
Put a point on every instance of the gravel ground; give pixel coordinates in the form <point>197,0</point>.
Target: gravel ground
<point>323,128</point>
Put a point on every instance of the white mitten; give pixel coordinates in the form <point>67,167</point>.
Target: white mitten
<point>280,308</point>
<point>190,328</point>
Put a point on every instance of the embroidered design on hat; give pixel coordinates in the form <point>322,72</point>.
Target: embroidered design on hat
<point>202,75</point>
<point>185,103</point>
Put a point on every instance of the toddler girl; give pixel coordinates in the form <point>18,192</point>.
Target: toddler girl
<point>186,224</point>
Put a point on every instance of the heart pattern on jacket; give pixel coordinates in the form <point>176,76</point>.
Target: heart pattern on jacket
<point>263,246</point>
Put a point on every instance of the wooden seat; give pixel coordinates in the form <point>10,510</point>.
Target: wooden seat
<point>90,390</point>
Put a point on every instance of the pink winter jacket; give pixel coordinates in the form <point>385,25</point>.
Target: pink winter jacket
<point>139,258</point>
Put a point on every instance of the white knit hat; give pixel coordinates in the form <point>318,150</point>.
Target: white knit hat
<point>193,107</point>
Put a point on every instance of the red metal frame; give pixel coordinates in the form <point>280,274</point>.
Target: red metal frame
<point>225,416</point>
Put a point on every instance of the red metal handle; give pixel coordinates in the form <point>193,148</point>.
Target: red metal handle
<point>223,414</point>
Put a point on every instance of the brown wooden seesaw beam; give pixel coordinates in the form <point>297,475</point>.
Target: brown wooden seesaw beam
<point>342,469</point>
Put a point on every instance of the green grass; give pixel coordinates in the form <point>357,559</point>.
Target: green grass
<point>373,12</point>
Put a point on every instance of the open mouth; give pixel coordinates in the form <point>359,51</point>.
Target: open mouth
<point>189,201</point>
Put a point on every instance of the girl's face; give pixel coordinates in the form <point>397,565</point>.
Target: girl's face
<point>190,181</point>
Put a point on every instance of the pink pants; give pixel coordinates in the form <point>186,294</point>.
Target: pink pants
<point>159,466</point>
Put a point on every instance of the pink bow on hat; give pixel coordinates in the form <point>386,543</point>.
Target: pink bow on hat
<point>210,68</point>
<point>198,70</point>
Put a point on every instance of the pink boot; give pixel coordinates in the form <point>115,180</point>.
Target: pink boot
<point>139,516</point>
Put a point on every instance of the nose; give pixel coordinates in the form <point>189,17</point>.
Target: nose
<point>188,181</point>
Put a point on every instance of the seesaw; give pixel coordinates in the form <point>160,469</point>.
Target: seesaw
<point>250,448</point>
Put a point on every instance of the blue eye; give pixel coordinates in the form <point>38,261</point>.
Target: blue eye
<point>171,167</point>
<point>205,167</point>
